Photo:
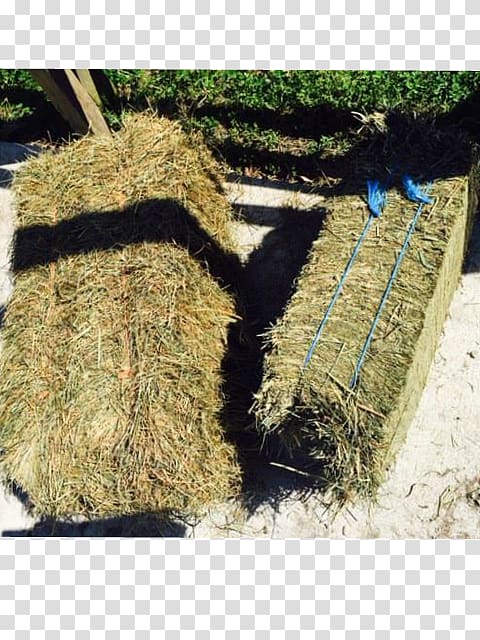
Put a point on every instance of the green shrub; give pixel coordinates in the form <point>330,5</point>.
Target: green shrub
<point>285,90</point>
<point>287,114</point>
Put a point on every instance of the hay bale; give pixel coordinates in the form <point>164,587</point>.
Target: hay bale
<point>111,373</point>
<point>348,437</point>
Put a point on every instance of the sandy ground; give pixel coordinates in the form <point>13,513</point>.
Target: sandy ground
<point>434,488</point>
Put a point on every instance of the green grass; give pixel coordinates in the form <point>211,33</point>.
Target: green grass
<point>276,121</point>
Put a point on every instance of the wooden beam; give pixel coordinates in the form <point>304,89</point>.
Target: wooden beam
<point>87,82</point>
<point>72,100</point>
<point>62,97</point>
<point>91,111</point>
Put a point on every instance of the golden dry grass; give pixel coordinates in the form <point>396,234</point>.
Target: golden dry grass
<point>111,374</point>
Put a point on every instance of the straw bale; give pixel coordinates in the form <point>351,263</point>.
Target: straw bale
<point>111,373</point>
<point>349,437</point>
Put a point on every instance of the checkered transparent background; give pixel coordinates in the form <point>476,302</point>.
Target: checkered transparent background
<point>292,34</point>
<point>257,589</point>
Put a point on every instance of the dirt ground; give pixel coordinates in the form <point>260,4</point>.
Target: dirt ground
<point>432,491</point>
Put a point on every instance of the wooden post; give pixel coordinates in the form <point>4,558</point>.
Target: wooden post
<point>76,102</point>
<point>87,82</point>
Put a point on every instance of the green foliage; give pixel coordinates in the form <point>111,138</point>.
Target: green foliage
<point>17,79</point>
<point>284,91</point>
<point>243,113</point>
<point>270,119</point>
<point>13,111</point>
<point>418,91</point>
<point>19,95</point>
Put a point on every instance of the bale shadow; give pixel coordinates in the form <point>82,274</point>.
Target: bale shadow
<point>13,152</point>
<point>138,526</point>
<point>148,221</point>
<point>43,123</point>
<point>396,143</point>
<point>144,525</point>
<point>269,278</point>
<point>472,258</point>
<point>298,122</point>
<point>272,268</point>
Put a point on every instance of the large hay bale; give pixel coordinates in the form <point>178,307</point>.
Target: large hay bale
<point>348,436</point>
<point>111,374</point>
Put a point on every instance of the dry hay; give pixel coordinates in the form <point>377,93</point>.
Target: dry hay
<point>347,437</point>
<point>111,372</point>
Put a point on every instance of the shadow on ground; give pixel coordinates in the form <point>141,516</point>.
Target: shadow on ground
<point>269,276</point>
<point>472,259</point>
<point>385,139</point>
<point>10,154</point>
<point>138,526</point>
<point>44,123</point>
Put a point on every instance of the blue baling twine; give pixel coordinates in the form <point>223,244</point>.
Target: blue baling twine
<point>376,196</point>
<point>413,192</point>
